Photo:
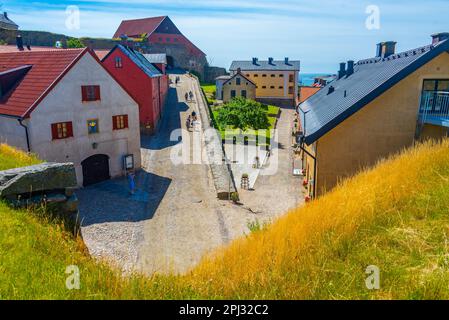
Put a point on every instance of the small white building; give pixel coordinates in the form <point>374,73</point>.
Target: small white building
<point>219,82</point>
<point>64,106</point>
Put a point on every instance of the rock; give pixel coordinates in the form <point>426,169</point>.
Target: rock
<point>41,177</point>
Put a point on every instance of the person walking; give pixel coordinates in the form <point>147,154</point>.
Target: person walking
<point>191,95</point>
<point>131,182</point>
<point>187,96</point>
<point>188,123</point>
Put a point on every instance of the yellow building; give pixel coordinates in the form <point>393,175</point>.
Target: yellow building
<point>276,81</point>
<point>236,86</point>
<point>377,107</point>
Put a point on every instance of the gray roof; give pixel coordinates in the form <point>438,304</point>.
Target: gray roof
<point>223,78</point>
<point>156,57</point>
<point>276,65</point>
<point>6,23</point>
<point>372,77</point>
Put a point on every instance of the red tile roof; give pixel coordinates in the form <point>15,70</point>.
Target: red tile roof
<point>138,26</point>
<point>307,92</point>
<point>48,67</point>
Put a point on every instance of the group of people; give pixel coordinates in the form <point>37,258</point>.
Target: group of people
<point>191,121</point>
<point>189,96</point>
<point>177,80</point>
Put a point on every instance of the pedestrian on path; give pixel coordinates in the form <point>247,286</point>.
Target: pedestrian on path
<point>188,123</point>
<point>187,96</point>
<point>191,95</point>
<point>131,182</point>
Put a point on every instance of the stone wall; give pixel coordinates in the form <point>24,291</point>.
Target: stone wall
<point>50,186</point>
<point>210,73</point>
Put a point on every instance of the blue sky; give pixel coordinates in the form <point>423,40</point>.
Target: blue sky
<point>320,33</point>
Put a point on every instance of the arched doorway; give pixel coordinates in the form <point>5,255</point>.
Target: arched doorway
<point>95,169</point>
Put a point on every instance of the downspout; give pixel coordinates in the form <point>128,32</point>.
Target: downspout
<point>26,133</point>
<point>301,146</point>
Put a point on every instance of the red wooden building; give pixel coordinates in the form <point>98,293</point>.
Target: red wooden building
<point>164,37</point>
<point>147,84</point>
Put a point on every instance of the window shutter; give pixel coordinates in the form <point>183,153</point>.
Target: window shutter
<point>54,131</point>
<point>114,122</point>
<point>97,92</point>
<point>69,129</point>
<point>84,93</point>
<point>125,121</point>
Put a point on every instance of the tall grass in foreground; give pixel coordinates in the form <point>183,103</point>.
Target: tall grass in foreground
<point>12,158</point>
<point>395,216</point>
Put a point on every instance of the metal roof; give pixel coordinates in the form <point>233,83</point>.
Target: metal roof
<point>371,78</point>
<point>139,59</point>
<point>7,23</point>
<point>156,57</point>
<point>276,65</point>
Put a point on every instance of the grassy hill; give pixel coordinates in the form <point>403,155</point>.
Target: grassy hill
<point>395,216</point>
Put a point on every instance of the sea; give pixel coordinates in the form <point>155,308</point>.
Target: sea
<point>307,79</point>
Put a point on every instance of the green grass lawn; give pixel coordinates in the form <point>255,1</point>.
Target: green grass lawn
<point>209,90</point>
<point>264,136</point>
<point>12,158</point>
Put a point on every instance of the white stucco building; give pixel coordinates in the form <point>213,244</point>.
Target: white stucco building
<point>64,106</point>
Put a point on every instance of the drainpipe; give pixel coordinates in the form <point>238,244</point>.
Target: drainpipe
<point>26,133</point>
<point>301,146</point>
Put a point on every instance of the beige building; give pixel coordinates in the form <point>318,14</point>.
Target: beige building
<point>377,107</point>
<point>276,81</point>
<point>236,86</point>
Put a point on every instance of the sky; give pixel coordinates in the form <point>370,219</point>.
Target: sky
<point>320,33</point>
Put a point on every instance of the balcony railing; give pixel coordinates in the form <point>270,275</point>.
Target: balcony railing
<point>435,108</point>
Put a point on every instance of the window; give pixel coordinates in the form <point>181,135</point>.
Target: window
<point>247,75</point>
<point>238,81</point>
<point>290,90</point>
<point>61,130</point>
<point>92,126</point>
<point>168,39</point>
<point>120,122</point>
<point>256,75</point>
<point>264,87</point>
<point>273,75</point>
<point>272,87</point>
<point>90,93</point>
<point>160,39</point>
<point>244,94</point>
<point>434,96</point>
<point>291,78</point>
<point>281,87</point>
<point>281,76</point>
<point>118,62</point>
<point>264,76</point>
<point>233,94</point>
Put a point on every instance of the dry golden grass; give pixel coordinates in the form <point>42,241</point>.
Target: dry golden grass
<point>12,158</point>
<point>395,216</point>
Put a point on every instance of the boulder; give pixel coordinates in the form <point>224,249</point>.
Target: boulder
<point>41,177</point>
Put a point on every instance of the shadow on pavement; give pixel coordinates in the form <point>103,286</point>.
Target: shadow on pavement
<point>111,201</point>
<point>171,120</point>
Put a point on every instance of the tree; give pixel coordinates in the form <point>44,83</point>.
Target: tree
<point>243,114</point>
<point>74,43</point>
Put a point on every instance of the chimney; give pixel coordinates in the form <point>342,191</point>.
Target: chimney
<point>331,90</point>
<point>386,49</point>
<point>286,61</point>
<point>239,70</point>
<point>255,60</point>
<point>342,71</point>
<point>350,70</point>
<point>438,37</point>
<point>5,14</point>
<point>270,60</point>
<point>19,42</point>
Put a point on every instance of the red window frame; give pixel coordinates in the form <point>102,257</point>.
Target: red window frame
<point>61,130</point>
<point>120,122</point>
<point>90,93</point>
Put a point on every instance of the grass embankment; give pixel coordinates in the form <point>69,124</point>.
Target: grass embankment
<point>12,158</point>
<point>395,216</point>
<point>210,90</point>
